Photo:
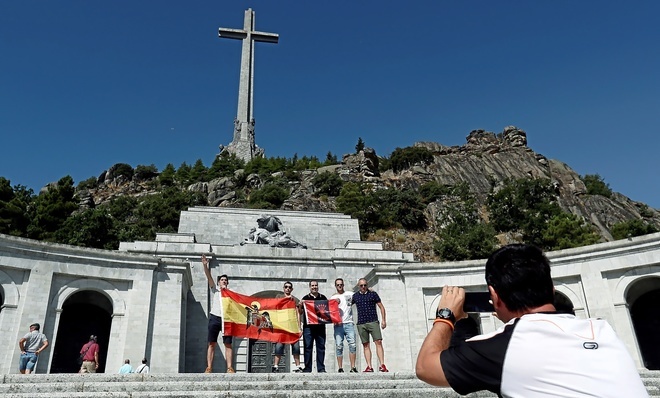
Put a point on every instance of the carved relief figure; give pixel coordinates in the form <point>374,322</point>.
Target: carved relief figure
<point>271,232</point>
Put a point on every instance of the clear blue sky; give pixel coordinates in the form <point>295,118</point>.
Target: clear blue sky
<point>87,84</point>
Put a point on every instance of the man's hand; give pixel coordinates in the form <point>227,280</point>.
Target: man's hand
<point>383,324</point>
<point>205,261</point>
<point>453,297</point>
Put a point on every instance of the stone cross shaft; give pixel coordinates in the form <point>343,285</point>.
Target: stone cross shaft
<point>243,144</point>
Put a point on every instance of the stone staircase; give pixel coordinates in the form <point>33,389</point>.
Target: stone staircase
<point>395,384</point>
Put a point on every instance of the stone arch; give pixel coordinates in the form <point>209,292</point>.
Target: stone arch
<point>642,297</point>
<point>565,296</point>
<point>84,307</point>
<point>8,291</point>
<point>103,287</point>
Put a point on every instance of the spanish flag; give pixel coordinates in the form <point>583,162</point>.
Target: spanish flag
<point>321,312</point>
<point>269,319</point>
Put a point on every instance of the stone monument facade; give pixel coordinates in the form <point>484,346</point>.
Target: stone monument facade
<point>243,144</point>
<point>151,299</point>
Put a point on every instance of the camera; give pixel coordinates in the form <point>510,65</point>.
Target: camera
<point>478,302</point>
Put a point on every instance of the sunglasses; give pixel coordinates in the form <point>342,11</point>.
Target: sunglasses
<point>363,285</point>
<point>339,284</point>
<point>288,287</point>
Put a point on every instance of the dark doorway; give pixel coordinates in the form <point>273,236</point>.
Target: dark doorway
<point>645,314</point>
<point>260,357</point>
<point>83,314</point>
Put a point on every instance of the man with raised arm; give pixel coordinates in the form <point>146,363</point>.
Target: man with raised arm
<point>538,352</point>
<point>215,320</point>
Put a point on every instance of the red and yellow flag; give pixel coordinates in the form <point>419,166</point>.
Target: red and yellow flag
<point>269,319</point>
<point>319,312</point>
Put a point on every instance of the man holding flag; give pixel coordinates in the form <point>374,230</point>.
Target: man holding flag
<point>215,320</point>
<point>317,315</point>
<point>295,347</point>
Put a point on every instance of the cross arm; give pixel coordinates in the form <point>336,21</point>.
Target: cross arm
<point>232,33</point>
<point>265,37</point>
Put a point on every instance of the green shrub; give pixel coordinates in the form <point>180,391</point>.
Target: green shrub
<point>122,169</point>
<point>568,230</point>
<point>463,236</point>
<point>596,185</point>
<point>405,158</point>
<point>90,183</point>
<point>327,184</point>
<point>225,165</point>
<point>359,146</point>
<point>631,228</point>
<point>270,196</point>
<point>143,173</point>
<point>166,177</point>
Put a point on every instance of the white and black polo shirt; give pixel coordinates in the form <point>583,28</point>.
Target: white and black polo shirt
<point>545,355</point>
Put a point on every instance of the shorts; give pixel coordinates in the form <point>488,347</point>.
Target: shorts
<point>27,361</point>
<point>88,367</point>
<point>215,326</point>
<point>295,348</point>
<point>371,328</point>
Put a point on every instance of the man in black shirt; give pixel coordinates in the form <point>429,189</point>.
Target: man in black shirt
<point>314,334</point>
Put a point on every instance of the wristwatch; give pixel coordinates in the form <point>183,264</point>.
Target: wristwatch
<point>445,313</point>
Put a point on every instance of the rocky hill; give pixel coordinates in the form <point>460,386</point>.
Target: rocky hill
<point>485,162</point>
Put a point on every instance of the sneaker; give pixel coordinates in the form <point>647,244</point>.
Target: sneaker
<point>209,370</point>
<point>340,370</point>
<point>231,370</point>
<point>369,369</point>
<point>298,370</point>
<point>275,369</point>
<point>382,368</point>
<point>354,370</point>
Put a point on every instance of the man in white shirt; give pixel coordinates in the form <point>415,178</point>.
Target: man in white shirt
<point>215,320</point>
<point>538,352</point>
<point>345,329</point>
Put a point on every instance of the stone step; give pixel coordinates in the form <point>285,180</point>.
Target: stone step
<point>243,385</point>
<point>224,385</point>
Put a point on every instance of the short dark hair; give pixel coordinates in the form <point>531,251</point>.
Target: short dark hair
<point>288,283</point>
<point>313,280</point>
<point>36,326</point>
<point>223,276</point>
<point>520,274</point>
<point>338,279</point>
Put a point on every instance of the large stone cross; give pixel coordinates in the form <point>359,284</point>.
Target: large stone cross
<point>243,144</point>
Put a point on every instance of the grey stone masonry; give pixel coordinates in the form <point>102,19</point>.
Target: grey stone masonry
<point>243,144</point>
<point>145,294</point>
<point>228,226</point>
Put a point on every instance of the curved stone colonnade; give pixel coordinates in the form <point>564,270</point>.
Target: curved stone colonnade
<point>617,281</point>
<point>151,299</point>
